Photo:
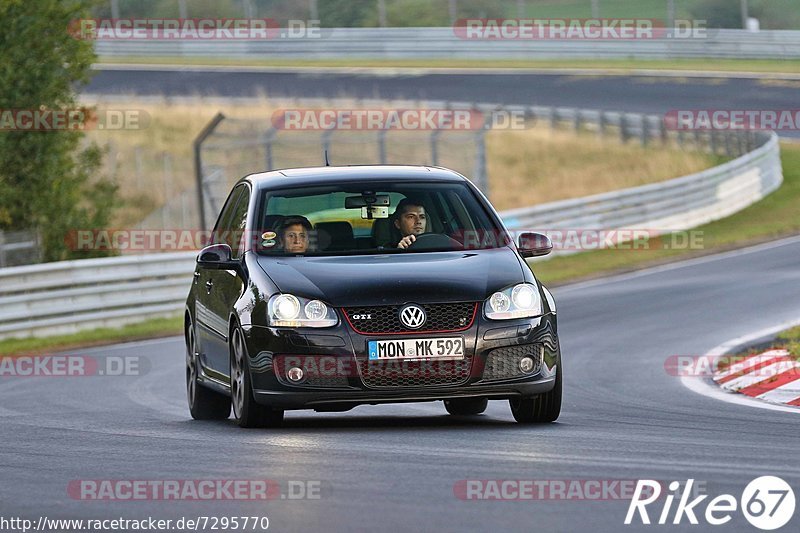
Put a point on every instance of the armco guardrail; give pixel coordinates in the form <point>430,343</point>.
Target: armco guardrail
<point>442,43</point>
<point>63,297</point>
<point>53,298</point>
<point>672,205</point>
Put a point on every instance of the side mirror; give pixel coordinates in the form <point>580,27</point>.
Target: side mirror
<point>534,245</point>
<point>216,256</point>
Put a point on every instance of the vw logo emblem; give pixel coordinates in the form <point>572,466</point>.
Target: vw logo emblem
<point>412,316</point>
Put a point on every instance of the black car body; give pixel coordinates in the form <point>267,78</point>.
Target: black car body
<point>345,298</point>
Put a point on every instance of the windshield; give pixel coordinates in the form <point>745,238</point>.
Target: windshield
<point>370,218</point>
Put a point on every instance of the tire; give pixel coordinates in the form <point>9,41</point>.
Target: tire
<point>204,403</point>
<point>246,411</point>
<point>466,406</point>
<point>539,409</point>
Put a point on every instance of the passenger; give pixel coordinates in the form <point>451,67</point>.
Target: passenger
<point>293,234</point>
<point>411,220</point>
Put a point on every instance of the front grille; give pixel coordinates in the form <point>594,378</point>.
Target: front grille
<point>394,374</point>
<point>503,363</point>
<point>385,319</point>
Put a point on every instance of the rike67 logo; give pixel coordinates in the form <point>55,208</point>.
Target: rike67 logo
<point>767,502</point>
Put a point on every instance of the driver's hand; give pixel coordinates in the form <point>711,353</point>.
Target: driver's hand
<point>406,241</point>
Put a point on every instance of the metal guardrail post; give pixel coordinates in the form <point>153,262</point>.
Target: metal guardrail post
<point>624,134</point>
<point>602,121</point>
<point>198,163</point>
<point>645,133</point>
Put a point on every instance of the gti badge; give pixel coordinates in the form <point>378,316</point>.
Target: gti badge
<point>412,316</point>
<point>362,317</point>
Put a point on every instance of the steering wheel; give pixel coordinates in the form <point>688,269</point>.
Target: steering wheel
<point>434,241</point>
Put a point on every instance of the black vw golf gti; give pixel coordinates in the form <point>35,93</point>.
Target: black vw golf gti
<point>327,288</point>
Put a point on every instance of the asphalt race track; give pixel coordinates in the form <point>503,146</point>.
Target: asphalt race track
<point>636,94</point>
<point>393,468</point>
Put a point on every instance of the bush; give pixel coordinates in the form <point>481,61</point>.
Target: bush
<point>47,177</point>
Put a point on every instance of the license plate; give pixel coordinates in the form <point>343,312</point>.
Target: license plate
<point>415,349</point>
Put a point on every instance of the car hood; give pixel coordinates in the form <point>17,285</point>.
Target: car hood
<point>428,277</point>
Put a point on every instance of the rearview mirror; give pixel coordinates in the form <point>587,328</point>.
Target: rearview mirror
<point>366,200</point>
<point>218,257</point>
<point>534,244</point>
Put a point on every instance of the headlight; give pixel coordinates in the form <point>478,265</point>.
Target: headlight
<point>287,310</point>
<point>519,301</point>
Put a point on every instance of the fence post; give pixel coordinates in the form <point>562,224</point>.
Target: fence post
<point>326,144</point>
<point>2,249</point>
<point>480,161</point>
<point>268,138</point>
<point>382,146</point>
<point>577,120</point>
<point>198,163</point>
<point>434,138</point>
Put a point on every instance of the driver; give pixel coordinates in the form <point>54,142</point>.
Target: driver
<point>293,234</point>
<point>410,219</point>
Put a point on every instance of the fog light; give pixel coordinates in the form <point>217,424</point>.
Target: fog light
<point>526,364</point>
<point>295,374</point>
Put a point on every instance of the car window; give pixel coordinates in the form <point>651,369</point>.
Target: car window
<point>230,224</point>
<point>336,227</point>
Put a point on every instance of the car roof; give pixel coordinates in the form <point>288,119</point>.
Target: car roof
<point>292,177</point>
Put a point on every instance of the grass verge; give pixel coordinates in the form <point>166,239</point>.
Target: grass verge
<point>784,66</point>
<point>777,215</point>
<point>790,340</point>
<point>149,329</point>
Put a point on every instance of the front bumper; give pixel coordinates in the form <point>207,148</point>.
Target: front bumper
<point>344,384</point>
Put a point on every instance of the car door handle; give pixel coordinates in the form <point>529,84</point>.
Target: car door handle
<point>209,285</point>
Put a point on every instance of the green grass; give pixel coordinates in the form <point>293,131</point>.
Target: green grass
<point>157,327</point>
<point>787,66</point>
<point>775,216</point>
<point>790,339</point>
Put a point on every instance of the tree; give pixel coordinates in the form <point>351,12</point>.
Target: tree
<point>47,178</point>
